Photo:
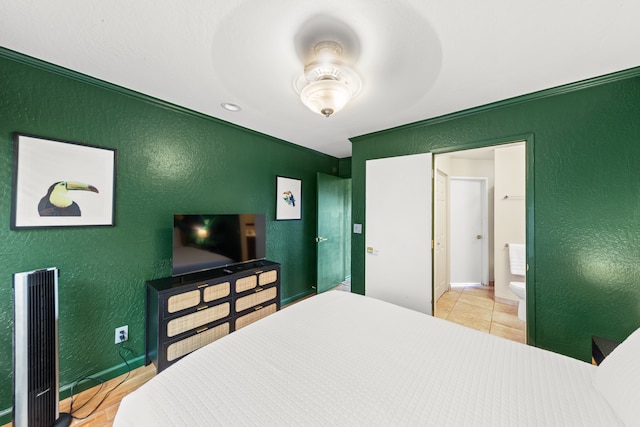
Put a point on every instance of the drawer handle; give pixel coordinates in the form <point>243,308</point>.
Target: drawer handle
<point>204,328</point>
<point>203,285</point>
<point>258,272</point>
<point>259,307</point>
<point>259,290</point>
<point>201,307</point>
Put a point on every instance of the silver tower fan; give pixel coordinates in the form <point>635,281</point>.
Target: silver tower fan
<point>35,350</point>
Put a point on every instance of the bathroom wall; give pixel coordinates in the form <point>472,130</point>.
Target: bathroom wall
<point>509,214</point>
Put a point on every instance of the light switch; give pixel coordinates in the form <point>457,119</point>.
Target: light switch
<point>357,228</point>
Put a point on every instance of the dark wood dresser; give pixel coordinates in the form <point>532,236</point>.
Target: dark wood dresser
<point>187,312</point>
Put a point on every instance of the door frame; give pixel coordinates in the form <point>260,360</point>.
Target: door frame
<point>441,209</point>
<point>528,139</point>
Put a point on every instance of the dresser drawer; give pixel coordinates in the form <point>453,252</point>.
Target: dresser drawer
<point>267,277</point>
<point>246,283</point>
<point>259,297</point>
<point>257,314</point>
<point>194,342</point>
<point>183,301</point>
<point>192,298</point>
<point>215,292</point>
<point>195,320</point>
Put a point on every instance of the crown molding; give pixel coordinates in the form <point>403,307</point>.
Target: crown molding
<point>86,79</point>
<point>545,93</point>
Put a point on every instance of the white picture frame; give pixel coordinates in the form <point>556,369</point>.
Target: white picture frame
<point>288,198</point>
<point>40,164</point>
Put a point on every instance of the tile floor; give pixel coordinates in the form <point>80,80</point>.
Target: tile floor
<point>344,286</point>
<point>474,307</point>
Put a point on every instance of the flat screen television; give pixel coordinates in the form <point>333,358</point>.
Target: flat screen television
<point>203,242</point>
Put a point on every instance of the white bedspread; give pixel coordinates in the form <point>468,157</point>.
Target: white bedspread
<point>340,359</point>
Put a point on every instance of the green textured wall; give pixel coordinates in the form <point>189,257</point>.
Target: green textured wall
<point>169,160</point>
<point>344,167</point>
<point>586,204</point>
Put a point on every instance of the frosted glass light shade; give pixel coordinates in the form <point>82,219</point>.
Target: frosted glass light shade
<point>328,82</point>
<point>325,96</point>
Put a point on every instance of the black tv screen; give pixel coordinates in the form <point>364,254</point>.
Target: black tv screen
<point>202,242</point>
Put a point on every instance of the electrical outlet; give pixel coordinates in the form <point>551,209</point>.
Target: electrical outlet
<point>122,334</point>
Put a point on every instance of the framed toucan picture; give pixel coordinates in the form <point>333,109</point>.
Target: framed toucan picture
<point>288,198</point>
<point>62,184</point>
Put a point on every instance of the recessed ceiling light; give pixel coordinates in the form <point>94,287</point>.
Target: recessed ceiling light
<point>230,107</point>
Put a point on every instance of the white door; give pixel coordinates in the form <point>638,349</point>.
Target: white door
<point>440,231</point>
<point>398,231</point>
<point>469,234</point>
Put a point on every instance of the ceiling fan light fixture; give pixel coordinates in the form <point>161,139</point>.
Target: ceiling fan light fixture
<point>328,83</point>
<point>325,96</point>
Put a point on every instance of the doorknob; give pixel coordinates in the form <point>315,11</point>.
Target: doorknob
<point>321,239</point>
<point>479,236</point>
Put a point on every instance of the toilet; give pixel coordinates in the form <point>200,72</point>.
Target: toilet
<point>518,267</point>
<point>520,289</point>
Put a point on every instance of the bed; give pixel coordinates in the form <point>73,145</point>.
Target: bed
<point>341,359</point>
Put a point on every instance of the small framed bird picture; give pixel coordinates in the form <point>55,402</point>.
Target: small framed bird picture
<point>61,184</point>
<point>288,198</point>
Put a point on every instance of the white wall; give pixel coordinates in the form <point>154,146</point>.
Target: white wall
<point>509,214</point>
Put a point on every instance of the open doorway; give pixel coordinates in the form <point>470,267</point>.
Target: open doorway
<point>333,233</point>
<point>488,305</point>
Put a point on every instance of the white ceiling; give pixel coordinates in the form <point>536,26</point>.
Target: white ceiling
<point>417,58</point>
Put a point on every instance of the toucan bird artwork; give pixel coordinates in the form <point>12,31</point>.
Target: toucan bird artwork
<point>57,201</point>
<point>288,198</point>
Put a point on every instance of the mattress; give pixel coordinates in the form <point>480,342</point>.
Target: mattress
<point>341,359</point>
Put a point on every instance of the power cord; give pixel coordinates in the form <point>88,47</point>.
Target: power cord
<point>121,347</point>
